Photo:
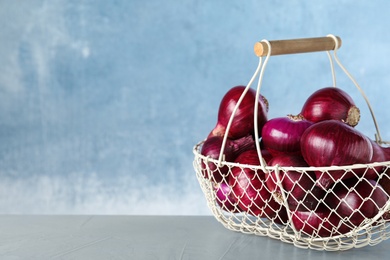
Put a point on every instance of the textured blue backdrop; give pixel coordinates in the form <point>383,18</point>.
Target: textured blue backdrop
<point>101,102</point>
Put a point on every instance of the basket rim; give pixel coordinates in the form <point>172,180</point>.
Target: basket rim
<point>196,151</point>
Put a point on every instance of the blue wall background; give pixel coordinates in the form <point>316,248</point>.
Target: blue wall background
<point>101,102</point>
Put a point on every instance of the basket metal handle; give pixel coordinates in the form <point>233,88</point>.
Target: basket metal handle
<point>293,46</point>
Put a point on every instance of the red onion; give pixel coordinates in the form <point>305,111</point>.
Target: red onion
<point>243,122</point>
<point>378,155</point>
<point>212,148</point>
<point>321,222</point>
<point>385,183</point>
<point>357,200</point>
<point>386,152</point>
<point>249,188</point>
<point>330,143</point>
<point>384,178</point>
<point>281,216</point>
<point>331,103</point>
<point>282,135</point>
<point>225,198</point>
<point>295,184</point>
<point>267,156</point>
<point>311,200</point>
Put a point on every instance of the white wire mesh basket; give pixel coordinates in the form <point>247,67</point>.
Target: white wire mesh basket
<point>309,221</point>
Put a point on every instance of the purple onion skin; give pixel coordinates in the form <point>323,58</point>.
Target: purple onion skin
<point>296,185</point>
<point>321,222</point>
<point>330,143</point>
<point>212,148</point>
<point>243,122</point>
<point>249,189</point>
<point>384,181</point>
<point>225,198</point>
<point>357,200</point>
<point>267,156</point>
<point>377,156</point>
<point>282,135</point>
<point>386,152</point>
<point>331,103</point>
<point>309,202</point>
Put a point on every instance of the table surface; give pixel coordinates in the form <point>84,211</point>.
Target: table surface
<point>149,237</point>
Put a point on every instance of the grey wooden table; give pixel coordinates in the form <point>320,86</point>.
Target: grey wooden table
<point>149,237</point>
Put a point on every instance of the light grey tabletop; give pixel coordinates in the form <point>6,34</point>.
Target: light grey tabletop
<point>149,237</point>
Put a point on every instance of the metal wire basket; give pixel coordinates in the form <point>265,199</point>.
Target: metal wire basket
<point>316,226</point>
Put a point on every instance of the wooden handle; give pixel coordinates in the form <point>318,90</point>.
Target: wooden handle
<point>293,46</point>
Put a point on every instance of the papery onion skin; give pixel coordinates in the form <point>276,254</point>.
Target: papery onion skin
<point>281,216</point>
<point>224,197</point>
<point>331,103</point>
<point>384,178</point>
<point>357,200</point>
<point>311,200</point>
<point>266,155</point>
<point>243,122</point>
<point>281,135</point>
<point>249,188</point>
<point>384,181</point>
<point>330,143</point>
<point>295,184</point>
<point>386,152</point>
<point>212,147</point>
<point>321,222</point>
<point>378,155</point>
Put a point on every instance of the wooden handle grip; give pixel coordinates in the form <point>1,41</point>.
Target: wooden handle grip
<point>293,46</point>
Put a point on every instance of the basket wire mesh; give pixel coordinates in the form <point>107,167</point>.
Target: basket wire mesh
<point>273,215</point>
